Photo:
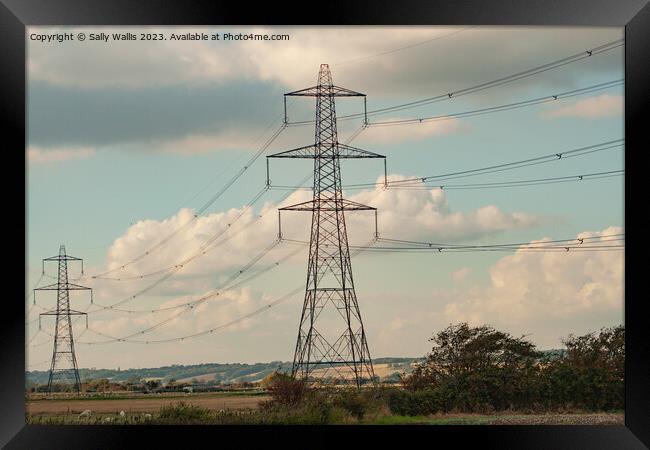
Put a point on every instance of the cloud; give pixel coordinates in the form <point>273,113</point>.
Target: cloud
<point>529,289</point>
<point>461,274</point>
<point>426,214</point>
<point>437,65</point>
<point>241,235</point>
<point>227,307</point>
<point>150,117</point>
<point>231,238</point>
<point>196,96</point>
<point>36,155</point>
<point>410,131</point>
<point>605,105</point>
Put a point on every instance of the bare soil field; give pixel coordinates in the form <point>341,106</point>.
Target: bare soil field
<point>140,405</point>
<point>562,419</point>
<point>506,418</point>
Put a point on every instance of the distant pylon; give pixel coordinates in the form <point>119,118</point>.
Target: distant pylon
<point>328,348</point>
<point>64,361</point>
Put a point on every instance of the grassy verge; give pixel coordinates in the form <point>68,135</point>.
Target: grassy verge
<point>187,414</point>
<point>171,396</point>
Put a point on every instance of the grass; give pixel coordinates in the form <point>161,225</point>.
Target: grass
<point>186,414</point>
<point>138,395</point>
<point>428,420</point>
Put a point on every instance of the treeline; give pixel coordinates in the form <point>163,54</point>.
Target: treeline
<point>478,370</point>
<point>481,369</point>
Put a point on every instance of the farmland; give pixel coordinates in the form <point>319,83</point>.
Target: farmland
<point>140,403</point>
<point>244,408</point>
<point>477,376</point>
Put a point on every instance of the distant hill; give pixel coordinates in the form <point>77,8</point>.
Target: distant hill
<point>385,368</point>
<point>212,372</point>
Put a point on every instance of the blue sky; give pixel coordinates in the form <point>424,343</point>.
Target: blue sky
<point>123,135</point>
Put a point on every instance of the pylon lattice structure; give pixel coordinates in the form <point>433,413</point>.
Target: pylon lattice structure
<point>331,344</point>
<point>64,361</point>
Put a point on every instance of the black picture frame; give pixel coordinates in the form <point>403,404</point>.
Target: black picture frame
<point>15,15</point>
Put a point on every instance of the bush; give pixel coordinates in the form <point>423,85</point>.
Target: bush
<point>284,390</point>
<point>413,403</point>
<point>184,413</point>
<point>591,373</point>
<point>480,369</point>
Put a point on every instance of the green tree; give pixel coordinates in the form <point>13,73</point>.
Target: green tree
<point>478,368</point>
<point>591,374</point>
<point>152,385</point>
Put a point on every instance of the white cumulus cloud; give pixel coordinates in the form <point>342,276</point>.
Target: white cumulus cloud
<point>529,289</point>
<point>605,105</point>
<point>411,131</point>
<point>37,155</point>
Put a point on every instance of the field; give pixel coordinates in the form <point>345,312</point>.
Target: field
<point>141,403</point>
<point>506,419</point>
<point>225,407</point>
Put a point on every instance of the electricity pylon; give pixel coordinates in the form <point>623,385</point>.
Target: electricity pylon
<point>337,349</point>
<point>64,361</point>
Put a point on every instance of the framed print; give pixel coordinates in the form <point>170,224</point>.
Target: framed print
<point>376,219</point>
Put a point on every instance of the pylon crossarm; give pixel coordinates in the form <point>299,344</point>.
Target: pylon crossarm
<point>314,91</point>
<point>62,258</point>
<point>346,151</point>
<point>77,287</point>
<point>311,151</point>
<point>328,205</point>
<point>49,287</point>
<point>308,151</point>
<point>55,287</point>
<point>72,313</point>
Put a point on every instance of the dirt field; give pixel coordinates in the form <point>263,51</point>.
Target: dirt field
<point>215,402</point>
<point>562,419</point>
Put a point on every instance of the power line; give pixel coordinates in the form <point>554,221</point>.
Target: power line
<point>518,164</point>
<point>224,170</point>
<point>419,181</point>
<point>503,184</point>
<point>201,252</point>
<point>563,245</point>
<point>518,183</point>
<point>205,206</point>
<point>261,310</point>
<point>510,244</point>
<point>112,307</point>
<point>554,249</point>
<point>503,80</point>
<point>539,248</point>
<point>482,86</point>
<point>437,38</point>
<point>178,267</point>
<point>504,107</point>
<point>31,292</point>
<point>224,286</point>
<point>202,249</point>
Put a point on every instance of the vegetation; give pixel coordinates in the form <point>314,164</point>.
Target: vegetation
<point>485,375</point>
<point>223,373</point>
<point>481,369</point>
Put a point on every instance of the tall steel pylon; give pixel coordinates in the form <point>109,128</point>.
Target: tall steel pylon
<point>64,361</point>
<point>328,348</point>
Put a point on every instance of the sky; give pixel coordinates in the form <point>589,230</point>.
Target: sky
<point>127,140</point>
